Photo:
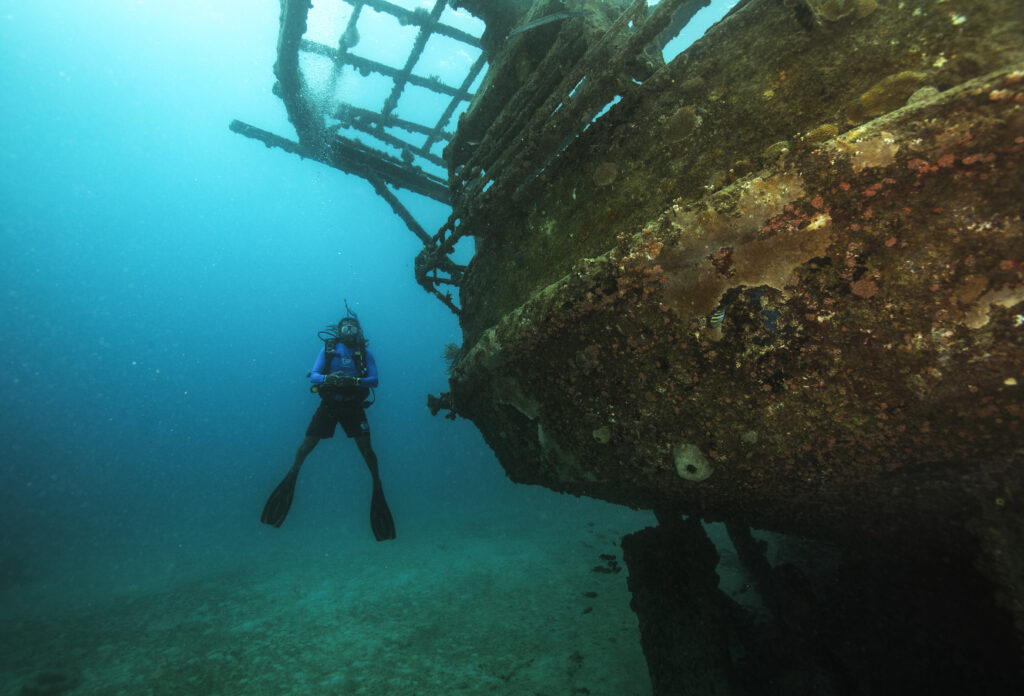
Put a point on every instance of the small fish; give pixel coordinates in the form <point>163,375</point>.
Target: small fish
<point>717,318</point>
<point>555,17</point>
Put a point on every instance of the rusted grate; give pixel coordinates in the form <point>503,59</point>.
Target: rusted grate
<point>413,138</point>
<point>590,62</point>
<point>382,144</point>
<point>402,152</point>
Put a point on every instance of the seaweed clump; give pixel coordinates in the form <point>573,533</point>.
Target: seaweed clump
<point>451,355</point>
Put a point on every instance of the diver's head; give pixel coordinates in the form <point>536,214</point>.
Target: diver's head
<point>349,331</point>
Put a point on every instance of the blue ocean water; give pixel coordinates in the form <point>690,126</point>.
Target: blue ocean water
<point>163,283</point>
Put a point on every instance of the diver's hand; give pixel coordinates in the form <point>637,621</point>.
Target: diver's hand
<point>337,379</point>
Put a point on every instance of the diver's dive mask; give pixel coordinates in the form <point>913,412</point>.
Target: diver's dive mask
<point>348,331</point>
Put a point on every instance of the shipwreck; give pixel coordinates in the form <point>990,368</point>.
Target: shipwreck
<point>776,281</point>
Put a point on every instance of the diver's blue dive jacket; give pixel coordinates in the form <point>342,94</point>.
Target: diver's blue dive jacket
<point>345,362</point>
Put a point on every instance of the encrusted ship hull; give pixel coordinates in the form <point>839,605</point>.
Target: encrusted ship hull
<point>780,282</point>
<point>829,346</point>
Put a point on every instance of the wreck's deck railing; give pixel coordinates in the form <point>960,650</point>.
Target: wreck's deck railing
<point>567,92</point>
<point>319,128</point>
<point>574,82</point>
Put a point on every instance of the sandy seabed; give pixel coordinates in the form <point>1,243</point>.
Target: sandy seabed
<point>523,609</point>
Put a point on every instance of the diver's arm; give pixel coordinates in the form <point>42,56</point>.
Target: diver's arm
<point>316,375</point>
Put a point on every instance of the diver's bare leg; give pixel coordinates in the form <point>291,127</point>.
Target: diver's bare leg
<point>369,456</point>
<point>304,449</point>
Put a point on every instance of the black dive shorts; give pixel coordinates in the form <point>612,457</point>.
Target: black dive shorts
<point>350,414</point>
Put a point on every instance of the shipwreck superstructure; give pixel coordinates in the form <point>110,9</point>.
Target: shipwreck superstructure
<point>776,282</point>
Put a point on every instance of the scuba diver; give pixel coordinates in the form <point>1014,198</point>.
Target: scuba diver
<point>342,376</point>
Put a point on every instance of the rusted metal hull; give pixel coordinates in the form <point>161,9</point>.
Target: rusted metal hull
<point>779,283</point>
<point>864,374</point>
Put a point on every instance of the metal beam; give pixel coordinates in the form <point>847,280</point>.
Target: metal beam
<point>355,158</point>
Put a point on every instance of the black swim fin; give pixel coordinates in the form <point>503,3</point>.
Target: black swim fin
<point>380,515</point>
<point>280,500</point>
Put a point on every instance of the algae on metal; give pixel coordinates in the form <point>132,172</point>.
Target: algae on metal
<point>862,382</point>
<point>764,75</point>
<point>860,379</point>
<point>865,369</point>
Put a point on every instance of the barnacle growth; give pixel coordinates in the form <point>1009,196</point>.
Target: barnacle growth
<point>691,464</point>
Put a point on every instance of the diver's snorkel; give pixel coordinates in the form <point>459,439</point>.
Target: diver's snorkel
<point>336,333</point>
<point>350,330</point>
<point>350,313</point>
